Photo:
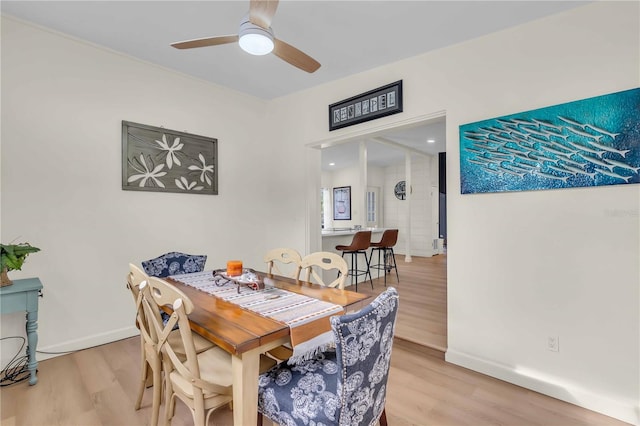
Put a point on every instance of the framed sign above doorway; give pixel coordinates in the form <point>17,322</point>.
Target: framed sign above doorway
<point>376,103</point>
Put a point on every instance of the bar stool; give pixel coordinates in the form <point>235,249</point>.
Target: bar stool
<point>388,240</point>
<point>359,245</point>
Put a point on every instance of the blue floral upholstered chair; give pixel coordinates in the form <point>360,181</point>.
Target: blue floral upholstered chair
<point>342,387</point>
<point>174,263</point>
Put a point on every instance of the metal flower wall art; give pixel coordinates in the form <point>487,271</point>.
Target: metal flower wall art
<point>591,142</point>
<point>158,159</point>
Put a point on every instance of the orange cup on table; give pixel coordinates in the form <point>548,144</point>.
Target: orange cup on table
<point>234,268</point>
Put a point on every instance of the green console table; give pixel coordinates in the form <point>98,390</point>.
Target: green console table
<point>22,295</point>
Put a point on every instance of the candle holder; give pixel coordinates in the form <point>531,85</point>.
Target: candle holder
<point>248,277</point>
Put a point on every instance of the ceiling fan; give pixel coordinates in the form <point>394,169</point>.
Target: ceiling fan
<point>255,36</point>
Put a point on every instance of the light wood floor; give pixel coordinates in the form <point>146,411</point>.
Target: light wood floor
<point>422,317</point>
<point>97,386</point>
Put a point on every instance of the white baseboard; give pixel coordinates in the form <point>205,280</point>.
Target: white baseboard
<point>64,348</point>
<point>627,411</point>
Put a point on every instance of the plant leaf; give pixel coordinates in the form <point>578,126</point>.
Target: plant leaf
<point>12,256</point>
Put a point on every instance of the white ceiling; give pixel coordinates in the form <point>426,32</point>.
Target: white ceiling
<point>346,37</point>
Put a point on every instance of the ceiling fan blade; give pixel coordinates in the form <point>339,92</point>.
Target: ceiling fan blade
<point>204,42</point>
<point>261,12</point>
<point>295,57</point>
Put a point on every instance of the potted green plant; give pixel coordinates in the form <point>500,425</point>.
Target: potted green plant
<point>12,256</point>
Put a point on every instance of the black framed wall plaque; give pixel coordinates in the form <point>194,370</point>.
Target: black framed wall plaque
<point>376,103</point>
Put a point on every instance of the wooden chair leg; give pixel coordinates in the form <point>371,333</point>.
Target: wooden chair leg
<point>143,380</point>
<point>383,418</point>
<point>157,395</point>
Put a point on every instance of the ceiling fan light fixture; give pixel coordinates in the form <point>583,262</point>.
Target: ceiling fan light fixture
<point>255,37</point>
<point>256,44</point>
<point>255,40</point>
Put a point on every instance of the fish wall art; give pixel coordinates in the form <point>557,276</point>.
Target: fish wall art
<point>590,142</point>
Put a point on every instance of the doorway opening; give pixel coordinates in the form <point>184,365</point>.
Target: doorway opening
<point>374,162</point>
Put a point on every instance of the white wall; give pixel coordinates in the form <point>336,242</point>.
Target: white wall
<point>62,106</point>
<point>348,176</point>
<point>523,266</point>
<point>420,229</point>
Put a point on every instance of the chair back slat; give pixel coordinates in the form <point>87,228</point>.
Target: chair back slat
<point>164,294</point>
<point>135,277</point>
<point>148,331</point>
<point>284,256</point>
<point>326,261</point>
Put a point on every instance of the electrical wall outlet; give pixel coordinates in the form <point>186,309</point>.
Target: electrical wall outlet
<point>553,343</point>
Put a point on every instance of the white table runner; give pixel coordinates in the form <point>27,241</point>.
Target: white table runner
<point>281,305</point>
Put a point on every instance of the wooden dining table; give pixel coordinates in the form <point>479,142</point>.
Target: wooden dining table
<point>246,334</point>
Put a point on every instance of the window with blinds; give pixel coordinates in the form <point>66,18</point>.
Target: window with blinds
<point>372,205</point>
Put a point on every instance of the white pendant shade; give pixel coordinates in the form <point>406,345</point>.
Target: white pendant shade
<point>256,44</point>
<point>254,39</point>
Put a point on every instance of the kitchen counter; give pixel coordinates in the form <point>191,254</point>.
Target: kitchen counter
<point>336,232</point>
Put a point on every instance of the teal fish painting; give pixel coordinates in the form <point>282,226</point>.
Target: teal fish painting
<point>590,142</point>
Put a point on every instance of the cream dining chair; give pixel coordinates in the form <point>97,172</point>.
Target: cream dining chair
<point>202,381</point>
<point>201,390</point>
<point>150,361</point>
<point>326,261</point>
<point>284,256</point>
